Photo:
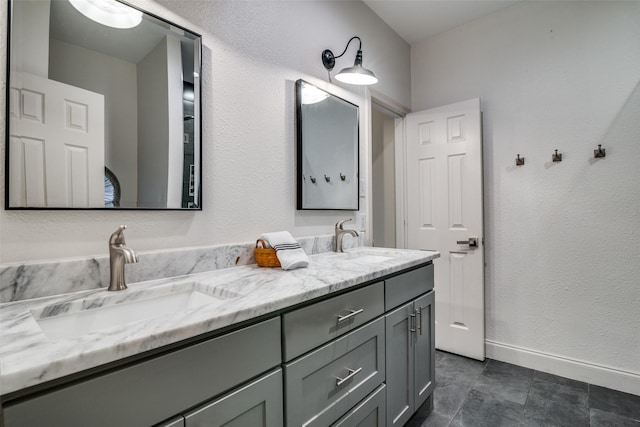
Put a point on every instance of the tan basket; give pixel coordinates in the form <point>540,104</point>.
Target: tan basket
<point>266,257</point>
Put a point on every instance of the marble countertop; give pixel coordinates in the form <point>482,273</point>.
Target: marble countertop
<point>30,356</point>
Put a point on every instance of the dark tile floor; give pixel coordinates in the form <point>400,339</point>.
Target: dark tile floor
<point>469,393</point>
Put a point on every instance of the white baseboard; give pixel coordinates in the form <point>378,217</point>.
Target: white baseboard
<point>604,376</point>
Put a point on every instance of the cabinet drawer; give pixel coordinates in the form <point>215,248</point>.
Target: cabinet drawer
<point>258,404</point>
<point>312,326</point>
<point>176,422</point>
<point>406,286</point>
<point>148,392</point>
<point>323,385</point>
<point>369,413</point>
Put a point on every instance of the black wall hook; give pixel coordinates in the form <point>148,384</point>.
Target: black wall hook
<point>599,152</point>
<point>556,157</point>
<point>519,161</point>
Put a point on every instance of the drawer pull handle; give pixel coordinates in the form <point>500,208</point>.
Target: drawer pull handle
<point>352,373</point>
<point>350,315</point>
<point>419,319</point>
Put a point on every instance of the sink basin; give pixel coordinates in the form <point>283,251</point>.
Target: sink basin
<point>371,258</point>
<point>362,256</point>
<point>80,317</point>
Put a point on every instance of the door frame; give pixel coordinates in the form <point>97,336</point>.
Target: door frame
<point>399,111</point>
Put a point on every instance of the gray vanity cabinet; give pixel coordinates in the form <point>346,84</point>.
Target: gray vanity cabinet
<point>258,404</point>
<point>362,358</point>
<point>410,349</point>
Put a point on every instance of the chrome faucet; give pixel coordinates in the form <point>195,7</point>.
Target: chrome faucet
<point>119,255</point>
<point>340,232</point>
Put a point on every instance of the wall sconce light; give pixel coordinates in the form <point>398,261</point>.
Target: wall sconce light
<point>356,75</point>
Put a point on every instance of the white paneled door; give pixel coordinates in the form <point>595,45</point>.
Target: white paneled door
<point>56,144</point>
<point>444,213</point>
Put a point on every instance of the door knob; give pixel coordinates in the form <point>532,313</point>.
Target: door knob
<point>472,242</point>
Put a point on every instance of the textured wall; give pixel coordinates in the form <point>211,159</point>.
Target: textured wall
<point>253,53</point>
<point>562,239</point>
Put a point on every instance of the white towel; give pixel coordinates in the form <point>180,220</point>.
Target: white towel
<point>288,250</point>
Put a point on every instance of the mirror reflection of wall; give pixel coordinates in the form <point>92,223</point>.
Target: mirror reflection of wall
<point>328,147</point>
<point>143,76</point>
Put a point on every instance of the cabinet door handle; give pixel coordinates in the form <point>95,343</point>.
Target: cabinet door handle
<point>352,373</point>
<point>419,320</point>
<point>350,315</point>
<point>412,322</point>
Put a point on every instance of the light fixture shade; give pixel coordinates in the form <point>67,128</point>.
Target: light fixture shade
<point>111,13</point>
<point>357,75</point>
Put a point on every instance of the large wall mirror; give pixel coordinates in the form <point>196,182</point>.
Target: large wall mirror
<point>104,108</point>
<point>328,150</point>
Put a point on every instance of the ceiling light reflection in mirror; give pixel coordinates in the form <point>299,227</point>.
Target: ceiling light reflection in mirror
<point>109,12</point>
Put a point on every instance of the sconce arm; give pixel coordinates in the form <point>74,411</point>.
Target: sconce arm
<point>329,59</point>
<point>347,46</point>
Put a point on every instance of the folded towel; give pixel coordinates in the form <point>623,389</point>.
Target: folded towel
<point>288,250</point>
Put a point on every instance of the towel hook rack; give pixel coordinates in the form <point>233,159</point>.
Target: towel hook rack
<point>599,152</point>
<point>519,161</point>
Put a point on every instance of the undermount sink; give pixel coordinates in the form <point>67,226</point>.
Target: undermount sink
<point>362,256</point>
<point>371,258</point>
<point>95,313</point>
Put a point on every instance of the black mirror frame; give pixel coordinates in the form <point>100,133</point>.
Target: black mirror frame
<point>299,151</point>
<point>7,130</point>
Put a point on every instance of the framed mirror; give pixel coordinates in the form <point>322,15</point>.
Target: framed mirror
<point>103,108</point>
<point>328,150</point>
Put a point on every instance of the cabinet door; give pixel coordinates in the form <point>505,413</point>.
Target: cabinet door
<point>399,328</point>
<point>258,404</point>
<point>425,348</point>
